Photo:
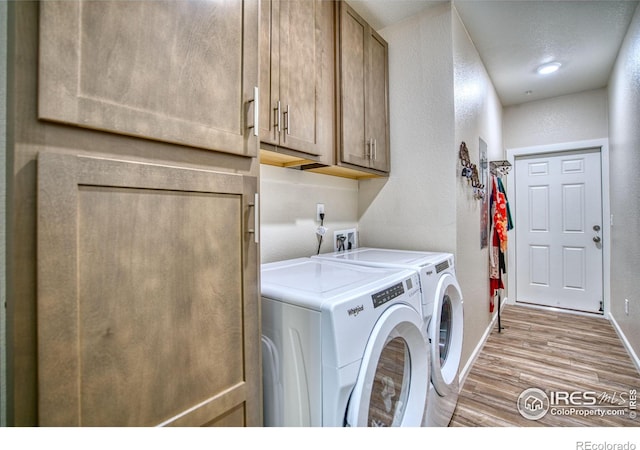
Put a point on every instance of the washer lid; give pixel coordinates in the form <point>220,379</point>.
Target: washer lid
<point>381,256</point>
<point>311,282</point>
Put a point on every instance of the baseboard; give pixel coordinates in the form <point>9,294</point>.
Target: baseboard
<point>627,344</point>
<point>462,377</point>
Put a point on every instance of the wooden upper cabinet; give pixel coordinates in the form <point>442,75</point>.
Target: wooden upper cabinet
<point>175,71</point>
<point>378,108</point>
<point>297,73</point>
<point>364,84</point>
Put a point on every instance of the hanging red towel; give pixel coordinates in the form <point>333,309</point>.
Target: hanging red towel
<point>500,216</point>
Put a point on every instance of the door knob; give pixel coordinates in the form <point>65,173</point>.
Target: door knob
<point>596,228</point>
<point>596,239</point>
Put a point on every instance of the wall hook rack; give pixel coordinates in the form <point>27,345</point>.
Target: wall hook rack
<point>498,168</point>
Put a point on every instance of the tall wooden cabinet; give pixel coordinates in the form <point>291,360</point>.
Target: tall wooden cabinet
<point>297,77</point>
<point>363,114</point>
<point>133,294</point>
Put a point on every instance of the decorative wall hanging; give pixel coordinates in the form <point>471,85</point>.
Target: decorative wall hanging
<point>470,172</point>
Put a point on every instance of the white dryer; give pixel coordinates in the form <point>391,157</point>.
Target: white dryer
<point>443,316</point>
<point>342,345</point>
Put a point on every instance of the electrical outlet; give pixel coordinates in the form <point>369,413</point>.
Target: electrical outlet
<point>626,306</point>
<point>319,210</point>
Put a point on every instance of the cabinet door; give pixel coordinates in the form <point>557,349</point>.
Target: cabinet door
<point>269,72</point>
<point>353,82</point>
<point>297,75</point>
<point>148,308</point>
<point>378,108</point>
<point>174,71</point>
<point>364,124</point>
<point>307,75</point>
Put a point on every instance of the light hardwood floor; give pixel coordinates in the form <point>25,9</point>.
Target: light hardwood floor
<point>555,352</point>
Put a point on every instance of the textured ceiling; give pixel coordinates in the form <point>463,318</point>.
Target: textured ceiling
<point>514,37</point>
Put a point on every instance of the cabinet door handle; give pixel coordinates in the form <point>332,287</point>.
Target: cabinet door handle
<point>256,218</point>
<point>375,149</point>
<point>367,149</point>
<point>277,111</point>
<point>287,116</point>
<point>256,112</point>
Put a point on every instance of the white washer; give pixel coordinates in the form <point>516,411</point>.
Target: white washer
<point>342,345</point>
<point>443,317</point>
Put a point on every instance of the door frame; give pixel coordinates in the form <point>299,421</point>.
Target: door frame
<point>603,145</point>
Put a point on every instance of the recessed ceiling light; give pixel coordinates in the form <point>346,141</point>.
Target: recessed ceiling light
<point>548,68</point>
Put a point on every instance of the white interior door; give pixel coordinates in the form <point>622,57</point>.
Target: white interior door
<point>559,230</point>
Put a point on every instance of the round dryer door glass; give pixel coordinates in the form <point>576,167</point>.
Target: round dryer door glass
<point>446,333</point>
<point>445,329</point>
<point>390,384</point>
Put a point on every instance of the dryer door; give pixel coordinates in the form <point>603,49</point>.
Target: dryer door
<point>445,334</point>
<point>392,385</point>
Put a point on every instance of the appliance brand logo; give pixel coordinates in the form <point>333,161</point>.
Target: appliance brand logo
<point>355,311</point>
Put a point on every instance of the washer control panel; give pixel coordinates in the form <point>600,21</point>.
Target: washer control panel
<point>382,297</point>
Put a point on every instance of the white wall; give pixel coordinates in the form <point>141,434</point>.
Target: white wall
<point>478,115</point>
<point>567,118</point>
<point>624,151</point>
<point>415,207</point>
<point>288,199</point>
